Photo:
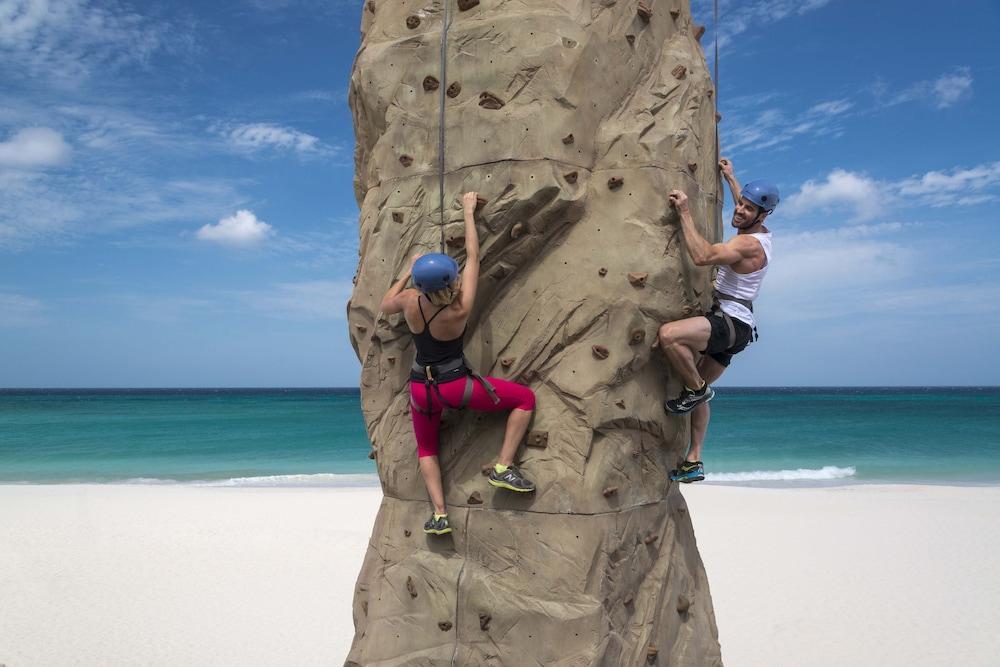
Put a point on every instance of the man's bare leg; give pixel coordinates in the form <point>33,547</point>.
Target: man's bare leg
<point>711,370</point>
<point>680,341</point>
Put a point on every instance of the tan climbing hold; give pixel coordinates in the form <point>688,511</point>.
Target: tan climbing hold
<point>679,72</point>
<point>615,182</point>
<point>507,362</point>
<point>391,360</point>
<point>674,13</point>
<point>683,604</point>
<point>370,5</point>
<point>568,139</point>
<point>517,230</point>
<point>638,279</point>
<point>538,439</point>
<point>397,216</point>
<point>637,337</point>
<point>571,177</point>
<point>651,653</point>
<point>406,532</point>
<point>488,100</point>
<point>405,160</point>
<point>699,32</point>
<point>610,491</point>
<point>445,626</point>
<point>455,239</point>
<point>361,328</point>
<point>454,89</point>
<point>485,470</point>
<point>412,22</point>
<point>710,92</point>
<point>372,455</point>
<point>484,621</point>
<point>464,5</point>
<point>718,116</point>
<point>630,39</point>
<point>649,539</point>
<point>599,351</point>
<point>620,403</point>
<point>481,202</point>
<point>644,12</point>
<point>692,167</point>
<point>430,83</point>
<point>602,272</point>
<point>475,498</point>
<point>410,587</point>
<point>627,601</point>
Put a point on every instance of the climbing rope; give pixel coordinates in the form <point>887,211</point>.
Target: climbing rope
<point>443,86</point>
<point>715,97</point>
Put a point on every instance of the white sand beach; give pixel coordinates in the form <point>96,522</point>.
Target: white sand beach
<point>182,575</point>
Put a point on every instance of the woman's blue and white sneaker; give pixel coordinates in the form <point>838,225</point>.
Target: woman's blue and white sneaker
<point>510,478</point>
<point>437,525</point>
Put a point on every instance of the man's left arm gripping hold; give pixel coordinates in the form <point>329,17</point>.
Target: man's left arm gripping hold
<point>702,252</point>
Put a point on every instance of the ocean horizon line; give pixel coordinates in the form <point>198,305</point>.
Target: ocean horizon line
<point>10,390</point>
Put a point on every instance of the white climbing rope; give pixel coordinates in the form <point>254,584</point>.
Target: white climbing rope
<point>443,86</point>
<point>715,97</point>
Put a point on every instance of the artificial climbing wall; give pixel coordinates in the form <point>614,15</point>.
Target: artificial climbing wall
<point>573,119</point>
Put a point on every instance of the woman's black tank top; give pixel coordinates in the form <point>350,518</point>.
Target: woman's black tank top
<point>430,350</point>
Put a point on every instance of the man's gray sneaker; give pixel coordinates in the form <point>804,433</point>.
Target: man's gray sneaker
<point>689,400</point>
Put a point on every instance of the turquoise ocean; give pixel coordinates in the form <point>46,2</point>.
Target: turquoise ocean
<point>316,437</point>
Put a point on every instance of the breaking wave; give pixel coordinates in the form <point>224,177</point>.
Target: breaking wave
<point>824,473</point>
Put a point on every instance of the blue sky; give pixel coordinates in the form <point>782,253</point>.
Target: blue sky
<point>176,204</point>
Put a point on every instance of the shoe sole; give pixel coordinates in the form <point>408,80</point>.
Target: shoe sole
<point>688,480</point>
<point>438,532</point>
<point>684,412</point>
<point>504,485</point>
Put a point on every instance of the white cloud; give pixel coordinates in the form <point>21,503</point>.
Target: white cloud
<point>944,91</point>
<point>242,229</point>
<point>264,136</point>
<point>946,188</point>
<point>950,88</point>
<point>307,300</point>
<point>66,40</point>
<point>17,310</point>
<point>834,273</point>
<point>34,147</point>
<point>831,108</point>
<point>737,18</point>
<point>862,196</point>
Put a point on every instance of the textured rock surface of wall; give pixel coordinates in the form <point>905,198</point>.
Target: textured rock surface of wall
<point>573,118</point>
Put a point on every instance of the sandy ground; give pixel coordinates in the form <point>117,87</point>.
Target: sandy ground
<point>180,575</point>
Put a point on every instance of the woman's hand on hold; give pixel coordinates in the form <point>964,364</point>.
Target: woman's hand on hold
<point>469,201</point>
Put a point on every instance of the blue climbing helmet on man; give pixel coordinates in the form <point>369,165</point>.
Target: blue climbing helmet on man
<point>761,193</point>
<point>434,272</point>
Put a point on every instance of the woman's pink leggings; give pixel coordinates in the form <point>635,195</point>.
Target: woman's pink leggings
<point>511,395</point>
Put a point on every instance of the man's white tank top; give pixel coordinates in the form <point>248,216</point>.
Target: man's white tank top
<point>743,285</point>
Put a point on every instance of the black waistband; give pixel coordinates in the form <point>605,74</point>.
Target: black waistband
<point>440,373</point>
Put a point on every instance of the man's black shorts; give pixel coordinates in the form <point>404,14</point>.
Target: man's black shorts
<point>718,341</point>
